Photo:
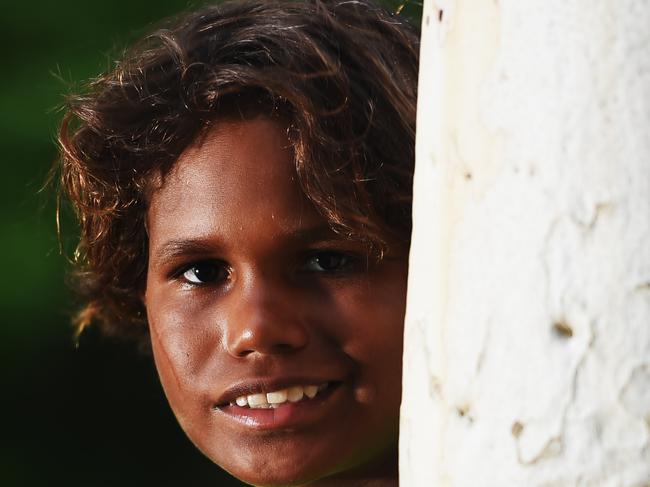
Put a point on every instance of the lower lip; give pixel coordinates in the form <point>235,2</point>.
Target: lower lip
<point>286,415</point>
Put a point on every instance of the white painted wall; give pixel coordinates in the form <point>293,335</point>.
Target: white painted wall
<point>527,343</point>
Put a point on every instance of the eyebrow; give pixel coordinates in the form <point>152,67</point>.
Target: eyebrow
<point>312,234</point>
<point>183,247</point>
<point>202,246</point>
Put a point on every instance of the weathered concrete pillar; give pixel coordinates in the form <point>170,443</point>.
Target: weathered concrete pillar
<point>527,352</point>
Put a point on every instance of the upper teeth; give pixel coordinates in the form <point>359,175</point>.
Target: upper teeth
<point>275,398</point>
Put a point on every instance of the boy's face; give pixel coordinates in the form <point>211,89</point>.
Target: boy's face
<point>249,293</point>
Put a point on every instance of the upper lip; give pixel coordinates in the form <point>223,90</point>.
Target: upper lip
<point>268,384</point>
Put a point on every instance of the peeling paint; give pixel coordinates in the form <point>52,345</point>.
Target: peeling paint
<point>635,394</point>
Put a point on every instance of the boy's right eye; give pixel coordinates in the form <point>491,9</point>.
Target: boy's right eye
<point>205,273</point>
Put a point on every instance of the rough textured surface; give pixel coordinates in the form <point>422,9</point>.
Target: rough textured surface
<point>527,344</point>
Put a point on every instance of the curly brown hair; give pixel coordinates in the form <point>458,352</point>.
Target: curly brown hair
<point>342,75</point>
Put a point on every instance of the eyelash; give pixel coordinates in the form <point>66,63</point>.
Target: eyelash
<point>218,271</point>
<point>349,262</point>
<point>212,266</point>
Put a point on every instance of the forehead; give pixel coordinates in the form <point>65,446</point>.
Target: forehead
<point>238,175</point>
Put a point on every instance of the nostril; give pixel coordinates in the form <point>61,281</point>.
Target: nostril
<point>265,339</point>
<point>283,348</point>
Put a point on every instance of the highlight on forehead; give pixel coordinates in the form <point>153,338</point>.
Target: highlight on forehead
<point>231,112</point>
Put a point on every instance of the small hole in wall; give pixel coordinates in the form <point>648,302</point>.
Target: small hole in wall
<point>517,429</point>
<point>468,175</point>
<point>441,13</point>
<point>562,329</point>
<point>463,412</point>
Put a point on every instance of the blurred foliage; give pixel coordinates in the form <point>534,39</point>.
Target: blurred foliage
<point>94,415</point>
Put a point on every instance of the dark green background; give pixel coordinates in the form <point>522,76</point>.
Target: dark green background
<point>93,415</point>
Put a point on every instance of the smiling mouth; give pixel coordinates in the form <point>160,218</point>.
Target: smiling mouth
<point>282,404</point>
<point>280,397</point>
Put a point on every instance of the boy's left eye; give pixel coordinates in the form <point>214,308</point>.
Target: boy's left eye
<point>329,261</point>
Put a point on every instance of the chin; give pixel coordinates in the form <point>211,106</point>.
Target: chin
<point>286,463</point>
<point>278,465</point>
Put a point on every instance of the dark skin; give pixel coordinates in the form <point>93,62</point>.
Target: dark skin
<point>249,291</point>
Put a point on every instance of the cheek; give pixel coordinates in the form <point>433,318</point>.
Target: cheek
<point>375,317</point>
<point>372,335</point>
<point>183,345</point>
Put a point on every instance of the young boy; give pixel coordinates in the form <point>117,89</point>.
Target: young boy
<point>243,185</point>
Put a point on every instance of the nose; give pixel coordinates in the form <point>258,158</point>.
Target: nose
<point>265,319</point>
